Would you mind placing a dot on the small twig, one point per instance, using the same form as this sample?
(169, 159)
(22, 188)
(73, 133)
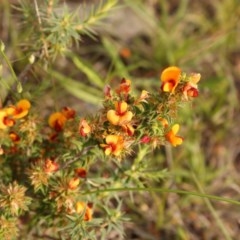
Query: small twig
(40, 27)
(37, 12)
(22, 77)
(83, 152)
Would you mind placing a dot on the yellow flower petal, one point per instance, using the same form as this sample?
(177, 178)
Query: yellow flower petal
(3, 114)
(83, 207)
(108, 150)
(195, 78)
(112, 139)
(177, 141)
(126, 118)
(114, 145)
(168, 86)
(10, 110)
(112, 117)
(175, 128)
(121, 107)
(84, 128)
(172, 138)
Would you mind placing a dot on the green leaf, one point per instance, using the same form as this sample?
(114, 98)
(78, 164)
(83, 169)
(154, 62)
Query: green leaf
(79, 90)
(117, 62)
(89, 71)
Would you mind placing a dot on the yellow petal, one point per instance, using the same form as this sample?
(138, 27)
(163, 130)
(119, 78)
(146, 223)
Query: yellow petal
(113, 139)
(195, 78)
(80, 206)
(176, 141)
(121, 107)
(108, 151)
(112, 117)
(10, 110)
(3, 114)
(126, 118)
(175, 128)
(168, 87)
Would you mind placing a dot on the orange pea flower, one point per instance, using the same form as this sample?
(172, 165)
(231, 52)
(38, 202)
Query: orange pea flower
(114, 145)
(57, 121)
(171, 136)
(170, 78)
(73, 183)
(68, 112)
(191, 88)
(84, 128)
(163, 121)
(125, 87)
(5, 120)
(14, 137)
(80, 172)
(50, 166)
(20, 110)
(120, 115)
(129, 129)
(82, 207)
(107, 92)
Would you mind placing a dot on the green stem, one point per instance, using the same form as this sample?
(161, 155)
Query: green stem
(163, 190)
(211, 209)
(19, 85)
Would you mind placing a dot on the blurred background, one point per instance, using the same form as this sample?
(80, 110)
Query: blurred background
(137, 40)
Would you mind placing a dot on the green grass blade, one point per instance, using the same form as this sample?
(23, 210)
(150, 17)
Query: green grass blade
(211, 209)
(120, 68)
(93, 77)
(77, 89)
(164, 190)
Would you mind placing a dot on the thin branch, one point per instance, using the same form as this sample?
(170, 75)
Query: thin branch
(83, 152)
(37, 12)
(40, 27)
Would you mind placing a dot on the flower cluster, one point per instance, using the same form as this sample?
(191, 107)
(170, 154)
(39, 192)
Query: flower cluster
(55, 159)
(148, 118)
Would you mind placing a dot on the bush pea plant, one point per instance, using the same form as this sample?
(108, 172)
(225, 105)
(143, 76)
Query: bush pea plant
(63, 169)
